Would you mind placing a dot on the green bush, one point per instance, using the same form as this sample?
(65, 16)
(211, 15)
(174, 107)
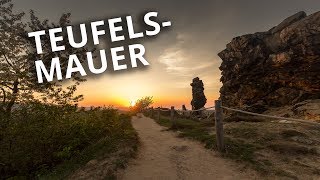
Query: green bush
(38, 136)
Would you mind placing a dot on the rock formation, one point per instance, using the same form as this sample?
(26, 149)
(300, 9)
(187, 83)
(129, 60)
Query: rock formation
(275, 68)
(184, 108)
(198, 97)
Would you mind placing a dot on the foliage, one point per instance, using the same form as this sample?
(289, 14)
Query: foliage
(18, 82)
(40, 124)
(142, 104)
(38, 136)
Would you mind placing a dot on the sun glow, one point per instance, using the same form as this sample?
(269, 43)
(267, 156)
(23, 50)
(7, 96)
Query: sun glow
(123, 91)
(133, 102)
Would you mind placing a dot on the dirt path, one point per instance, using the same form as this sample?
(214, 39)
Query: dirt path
(165, 156)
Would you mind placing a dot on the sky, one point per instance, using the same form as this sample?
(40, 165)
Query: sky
(188, 49)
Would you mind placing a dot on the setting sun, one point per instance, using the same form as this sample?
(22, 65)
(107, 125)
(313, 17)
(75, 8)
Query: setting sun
(132, 102)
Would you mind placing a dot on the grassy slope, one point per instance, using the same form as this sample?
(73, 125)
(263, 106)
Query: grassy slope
(117, 149)
(51, 142)
(269, 148)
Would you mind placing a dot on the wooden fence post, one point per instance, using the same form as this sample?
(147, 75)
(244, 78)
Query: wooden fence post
(172, 117)
(158, 113)
(219, 125)
(152, 113)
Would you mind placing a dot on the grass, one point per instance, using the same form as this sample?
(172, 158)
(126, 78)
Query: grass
(293, 149)
(270, 148)
(291, 133)
(202, 131)
(242, 131)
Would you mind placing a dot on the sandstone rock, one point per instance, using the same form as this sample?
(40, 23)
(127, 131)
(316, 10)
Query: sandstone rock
(285, 23)
(309, 109)
(275, 68)
(92, 162)
(198, 97)
(184, 108)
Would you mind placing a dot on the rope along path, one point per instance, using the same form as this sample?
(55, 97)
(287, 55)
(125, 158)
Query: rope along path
(270, 116)
(250, 113)
(202, 109)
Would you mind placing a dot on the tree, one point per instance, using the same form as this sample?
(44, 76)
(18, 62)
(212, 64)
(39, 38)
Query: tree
(18, 82)
(142, 104)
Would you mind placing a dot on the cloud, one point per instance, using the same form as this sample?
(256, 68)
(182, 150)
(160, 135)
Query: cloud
(181, 59)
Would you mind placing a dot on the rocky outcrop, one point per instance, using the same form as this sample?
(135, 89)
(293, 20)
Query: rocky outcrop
(274, 68)
(308, 109)
(198, 97)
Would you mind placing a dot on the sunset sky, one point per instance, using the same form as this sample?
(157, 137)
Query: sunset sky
(200, 29)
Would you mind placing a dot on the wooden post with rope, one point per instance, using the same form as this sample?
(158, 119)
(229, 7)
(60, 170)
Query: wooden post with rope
(219, 125)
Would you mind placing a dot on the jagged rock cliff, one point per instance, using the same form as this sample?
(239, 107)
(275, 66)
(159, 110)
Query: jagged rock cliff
(275, 68)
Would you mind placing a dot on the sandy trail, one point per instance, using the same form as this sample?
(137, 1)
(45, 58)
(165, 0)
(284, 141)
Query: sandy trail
(165, 156)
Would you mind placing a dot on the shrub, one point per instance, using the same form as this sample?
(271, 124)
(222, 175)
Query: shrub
(38, 136)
